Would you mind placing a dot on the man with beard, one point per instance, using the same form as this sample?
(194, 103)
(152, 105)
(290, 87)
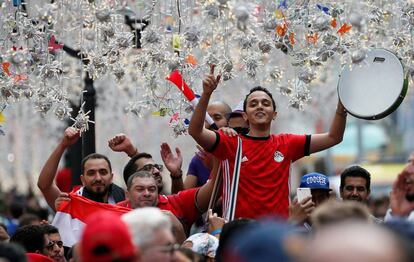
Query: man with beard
(402, 195)
(96, 175)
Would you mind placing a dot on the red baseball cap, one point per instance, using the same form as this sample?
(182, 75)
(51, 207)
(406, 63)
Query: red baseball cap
(106, 238)
(35, 257)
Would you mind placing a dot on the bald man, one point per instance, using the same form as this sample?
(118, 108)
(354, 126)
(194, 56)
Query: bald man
(198, 170)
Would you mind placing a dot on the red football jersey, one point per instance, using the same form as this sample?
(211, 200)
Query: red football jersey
(264, 173)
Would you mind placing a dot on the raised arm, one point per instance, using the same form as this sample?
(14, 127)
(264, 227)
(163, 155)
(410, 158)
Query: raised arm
(192, 177)
(335, 135)
(204, 193)
(399, 204)
(122, 143)
(173, 164)
(204, 137)
(46, 182)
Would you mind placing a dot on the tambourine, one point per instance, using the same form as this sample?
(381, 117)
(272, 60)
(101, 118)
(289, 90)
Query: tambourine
(375, 87)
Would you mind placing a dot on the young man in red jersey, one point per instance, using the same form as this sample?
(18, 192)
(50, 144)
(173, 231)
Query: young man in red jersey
(264, 174)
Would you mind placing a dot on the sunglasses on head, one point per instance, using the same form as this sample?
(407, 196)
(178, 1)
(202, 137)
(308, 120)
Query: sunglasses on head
(150, 167)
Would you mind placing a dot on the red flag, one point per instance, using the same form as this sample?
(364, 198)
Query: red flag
(71, 216)
(176, 78)
(53, 45)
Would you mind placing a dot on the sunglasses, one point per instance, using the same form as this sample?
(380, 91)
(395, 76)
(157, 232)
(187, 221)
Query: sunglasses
(150, 167)
(51, 244)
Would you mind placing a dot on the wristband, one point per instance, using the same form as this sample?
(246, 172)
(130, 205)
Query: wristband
(216, 232)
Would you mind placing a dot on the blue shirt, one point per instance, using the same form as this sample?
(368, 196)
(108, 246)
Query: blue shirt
(199, 170)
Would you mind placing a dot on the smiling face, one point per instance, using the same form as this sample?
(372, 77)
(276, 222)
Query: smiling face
(259, 109)
(355, 188)
(143, 192)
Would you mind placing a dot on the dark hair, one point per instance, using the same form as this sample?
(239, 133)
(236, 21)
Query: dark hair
(131, 167)
(12, 252)
(16, 209)
(141, 174)
(30, 237)
(94, 156)
(255, 89)
(49, 229)
(355, 171)
(230, 230)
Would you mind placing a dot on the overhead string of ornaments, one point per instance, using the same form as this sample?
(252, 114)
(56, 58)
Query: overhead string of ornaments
(283, 45)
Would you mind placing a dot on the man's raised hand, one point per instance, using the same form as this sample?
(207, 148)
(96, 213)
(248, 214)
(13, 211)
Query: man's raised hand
(399, 204)
(210, 82)
(70, 136)
(172, 163)
(300, 211)
(63, 197)
(121, 143)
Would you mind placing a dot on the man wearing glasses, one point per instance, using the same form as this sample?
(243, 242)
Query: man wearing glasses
(144, 162)
(31, 238)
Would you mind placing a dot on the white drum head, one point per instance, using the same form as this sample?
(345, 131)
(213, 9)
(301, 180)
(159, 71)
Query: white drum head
(375, 88)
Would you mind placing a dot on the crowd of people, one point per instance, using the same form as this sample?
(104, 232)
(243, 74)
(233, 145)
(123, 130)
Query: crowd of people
(233, 205)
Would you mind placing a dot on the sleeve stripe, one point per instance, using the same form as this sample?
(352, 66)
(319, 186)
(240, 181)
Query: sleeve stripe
(307, 145)
(215, 143)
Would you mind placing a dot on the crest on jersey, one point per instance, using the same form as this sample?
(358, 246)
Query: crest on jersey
(278, 157)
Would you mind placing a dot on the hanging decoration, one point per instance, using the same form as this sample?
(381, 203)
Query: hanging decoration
(283, 45)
